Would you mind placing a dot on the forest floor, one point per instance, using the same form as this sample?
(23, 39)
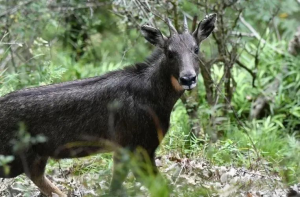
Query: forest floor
(188, 177)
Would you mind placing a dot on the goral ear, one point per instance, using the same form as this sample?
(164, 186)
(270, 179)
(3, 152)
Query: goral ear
(153, 35)
(205, 27)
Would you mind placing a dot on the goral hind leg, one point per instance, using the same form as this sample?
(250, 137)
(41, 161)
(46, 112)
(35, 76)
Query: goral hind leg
(36, 172)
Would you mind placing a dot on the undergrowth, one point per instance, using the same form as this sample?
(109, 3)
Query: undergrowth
(271, 144)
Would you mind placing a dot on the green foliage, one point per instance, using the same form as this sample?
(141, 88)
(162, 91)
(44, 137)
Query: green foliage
(4, 161)
(24, 140)
(286, 19)
(275, 138)
(51, 51)
(20, 143)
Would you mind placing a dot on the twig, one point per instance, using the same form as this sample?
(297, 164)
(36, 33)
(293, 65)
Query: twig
(85, 6)
(141, 6)
(7, 26)
(175, 12)
(276, 30)
(183, 166)
(194, 26)
(254, 32)
(215, 60)
(256, 61)
(8, 58)
(155, 14)
(91, 11)
(253, 74)
(11, 43)
(229, 4)
(257, 36)
(16, 8)
(237, 19)
(244, 34)
(6, 34)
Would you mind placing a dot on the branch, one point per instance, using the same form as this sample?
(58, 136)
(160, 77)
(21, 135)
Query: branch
(256, 61)
(254, 32)
(175, 13)
(141, 7)
(7, 26)
(215, 60)
(249, 71)
(243, 34)
(11, 43)
(261, 104)
(16, 8)
(257, 36)
(229, 4)
(217, 88)
(194, 26)
(83, 6)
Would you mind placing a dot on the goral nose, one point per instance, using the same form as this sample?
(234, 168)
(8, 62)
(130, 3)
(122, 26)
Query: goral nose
(188, 80)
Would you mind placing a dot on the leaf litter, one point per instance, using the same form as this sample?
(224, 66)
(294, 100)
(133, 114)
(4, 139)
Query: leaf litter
(182, 173)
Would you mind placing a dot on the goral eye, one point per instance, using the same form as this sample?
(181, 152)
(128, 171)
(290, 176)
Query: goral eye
(196, 50)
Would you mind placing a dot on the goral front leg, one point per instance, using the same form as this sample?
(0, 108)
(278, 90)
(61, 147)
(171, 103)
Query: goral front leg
(120, 172)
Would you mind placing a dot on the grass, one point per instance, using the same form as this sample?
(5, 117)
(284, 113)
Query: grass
(273, 147)
(275, 150)
(276, 146)
(276, 153)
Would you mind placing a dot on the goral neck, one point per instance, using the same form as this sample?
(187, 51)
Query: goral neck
(164, 86)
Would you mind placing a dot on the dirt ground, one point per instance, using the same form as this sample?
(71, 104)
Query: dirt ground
(223, 181)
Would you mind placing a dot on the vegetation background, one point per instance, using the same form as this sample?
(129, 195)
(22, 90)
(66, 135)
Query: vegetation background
(236, 134)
